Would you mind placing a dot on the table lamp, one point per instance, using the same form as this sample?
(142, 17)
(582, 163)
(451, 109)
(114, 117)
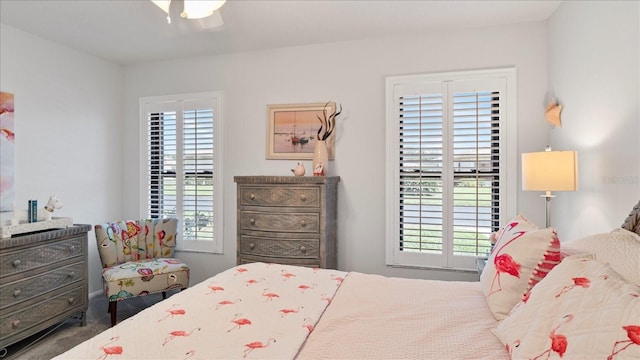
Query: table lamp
(550, 171)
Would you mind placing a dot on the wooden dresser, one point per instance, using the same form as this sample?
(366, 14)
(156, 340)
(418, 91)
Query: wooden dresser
(43, 281)
(287, 220)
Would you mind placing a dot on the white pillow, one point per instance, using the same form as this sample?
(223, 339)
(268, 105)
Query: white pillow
(582, 310)
(619, 248)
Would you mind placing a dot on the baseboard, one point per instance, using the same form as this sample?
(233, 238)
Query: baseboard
(95, 293)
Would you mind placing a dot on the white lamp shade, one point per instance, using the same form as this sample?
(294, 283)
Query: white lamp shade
(550, 171)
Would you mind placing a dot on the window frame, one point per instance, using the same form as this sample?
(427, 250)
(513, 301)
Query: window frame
(215, 100)
(508, 165)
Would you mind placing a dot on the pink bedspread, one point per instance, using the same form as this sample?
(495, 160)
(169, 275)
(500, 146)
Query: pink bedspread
(376, 317)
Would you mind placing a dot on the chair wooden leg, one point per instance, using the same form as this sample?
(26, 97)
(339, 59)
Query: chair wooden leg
(113, 306)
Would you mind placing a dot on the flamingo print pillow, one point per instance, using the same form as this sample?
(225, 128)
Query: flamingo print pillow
(583, 310)
(522, 256)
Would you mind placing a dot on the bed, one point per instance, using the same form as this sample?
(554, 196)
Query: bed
(572, 300)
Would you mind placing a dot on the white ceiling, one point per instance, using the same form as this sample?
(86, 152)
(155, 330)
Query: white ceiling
(134, 31)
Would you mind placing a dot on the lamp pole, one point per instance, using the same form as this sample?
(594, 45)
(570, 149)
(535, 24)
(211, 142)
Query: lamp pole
(548, 197)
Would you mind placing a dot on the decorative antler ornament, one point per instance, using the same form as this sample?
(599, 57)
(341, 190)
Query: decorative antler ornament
(328, 123)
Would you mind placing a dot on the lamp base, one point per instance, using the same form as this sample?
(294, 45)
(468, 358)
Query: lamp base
(548, 197)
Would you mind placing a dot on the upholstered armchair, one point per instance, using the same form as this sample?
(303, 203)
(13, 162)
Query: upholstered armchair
(137, 259)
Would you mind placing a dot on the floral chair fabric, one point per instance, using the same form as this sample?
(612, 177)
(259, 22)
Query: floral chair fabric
(137, 259)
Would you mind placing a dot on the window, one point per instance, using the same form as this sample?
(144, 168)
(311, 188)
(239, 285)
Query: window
(182, 166)
(451, 165)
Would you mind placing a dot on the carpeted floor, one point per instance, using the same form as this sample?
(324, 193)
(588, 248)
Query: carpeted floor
(70, 333)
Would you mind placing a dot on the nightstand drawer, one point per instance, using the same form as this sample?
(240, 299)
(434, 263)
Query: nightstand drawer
(289, 248)
(280, 196)
(22, 290)
(281, 222)
(38, 256)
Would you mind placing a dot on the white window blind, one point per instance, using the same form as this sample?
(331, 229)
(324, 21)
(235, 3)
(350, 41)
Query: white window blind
(447, 167)
(183, 177)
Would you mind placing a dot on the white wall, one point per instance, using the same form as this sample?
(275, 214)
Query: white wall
(68, 125)
(350, 73)
(594, 71)
(77, 119)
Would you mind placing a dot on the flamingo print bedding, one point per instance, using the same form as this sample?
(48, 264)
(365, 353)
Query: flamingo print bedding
(253, 311)
(268, 311)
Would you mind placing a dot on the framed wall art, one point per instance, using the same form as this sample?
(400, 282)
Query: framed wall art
(7, 149)
(292, 130)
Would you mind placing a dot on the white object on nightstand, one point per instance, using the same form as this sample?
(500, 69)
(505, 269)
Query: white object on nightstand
(480, 264)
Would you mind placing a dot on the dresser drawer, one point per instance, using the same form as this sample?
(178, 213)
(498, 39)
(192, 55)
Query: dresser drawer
(38, 256)
(28, 288)
(289, 248)
(280, 196)
(312, 263)
(281, 222)
(31, 316)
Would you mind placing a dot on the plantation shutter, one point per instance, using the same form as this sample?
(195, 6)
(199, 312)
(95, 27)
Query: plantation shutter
(422, 183)
(449, 155)
(476, 134)
(180, 167)
(197, 170)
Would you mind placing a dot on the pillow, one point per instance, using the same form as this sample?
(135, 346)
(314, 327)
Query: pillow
(582, 310)
(632, 222)
(619, 248)
(522, 256)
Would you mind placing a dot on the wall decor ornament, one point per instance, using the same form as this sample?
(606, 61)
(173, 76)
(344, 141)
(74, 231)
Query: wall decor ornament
(552, 113)
(7, 151)
(293, 130)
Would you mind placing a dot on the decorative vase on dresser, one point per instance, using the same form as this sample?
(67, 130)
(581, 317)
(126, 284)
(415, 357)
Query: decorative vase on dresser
(320, 158)
(287, 220)
(43, 281)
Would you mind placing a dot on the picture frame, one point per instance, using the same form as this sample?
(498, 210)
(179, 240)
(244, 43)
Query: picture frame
(292, 130)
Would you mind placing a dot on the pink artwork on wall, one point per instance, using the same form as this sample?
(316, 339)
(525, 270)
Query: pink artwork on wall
(7, 149)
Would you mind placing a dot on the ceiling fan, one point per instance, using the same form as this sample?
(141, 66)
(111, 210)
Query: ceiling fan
(206, 11)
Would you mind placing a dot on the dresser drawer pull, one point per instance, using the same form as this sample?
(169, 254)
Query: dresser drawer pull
(15, 323)
(71, 300)
(71, 274)
(252, 221)
(303, 249)
(252, 246)
(303, 223)
(16, 293)
(72, 248)
(16, 263)
(252, 196)
(303, 197)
